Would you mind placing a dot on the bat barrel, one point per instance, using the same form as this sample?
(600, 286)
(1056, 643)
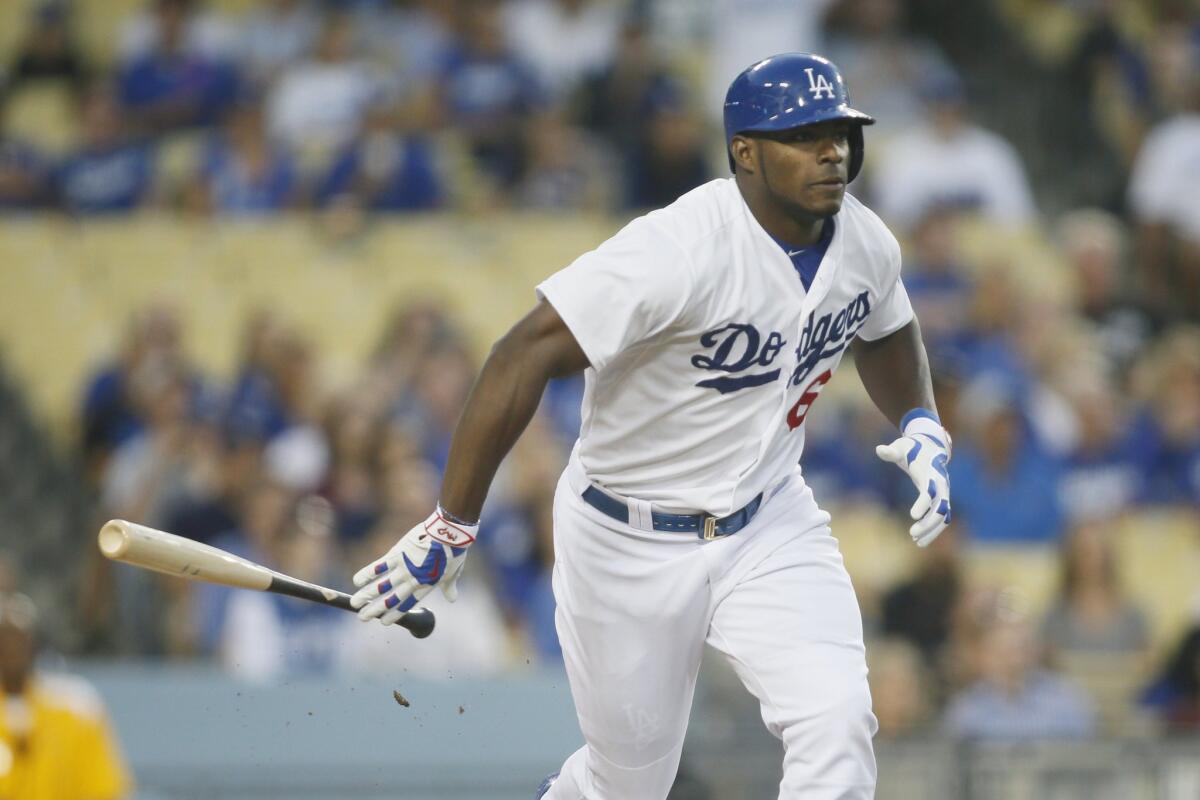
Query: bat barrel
(186, 558)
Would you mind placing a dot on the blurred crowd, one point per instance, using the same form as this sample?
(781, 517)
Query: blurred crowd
(1056, 276)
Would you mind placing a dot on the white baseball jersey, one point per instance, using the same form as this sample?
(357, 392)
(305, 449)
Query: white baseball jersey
(706, 351)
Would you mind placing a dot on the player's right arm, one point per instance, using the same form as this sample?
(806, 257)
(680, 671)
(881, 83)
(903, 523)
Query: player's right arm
(503, 400)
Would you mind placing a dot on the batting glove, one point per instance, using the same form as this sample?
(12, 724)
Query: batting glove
(431, 554)
(924, 453)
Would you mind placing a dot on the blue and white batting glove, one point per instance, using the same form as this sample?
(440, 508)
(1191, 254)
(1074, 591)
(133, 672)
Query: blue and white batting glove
(924, 453)
(431, 554)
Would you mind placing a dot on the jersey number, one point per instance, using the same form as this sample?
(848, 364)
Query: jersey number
(795, 417)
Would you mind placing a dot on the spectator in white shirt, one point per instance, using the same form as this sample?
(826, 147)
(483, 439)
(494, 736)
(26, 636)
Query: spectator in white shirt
(318, 105)
(1164, 196)
(563, 40)
(950, 162)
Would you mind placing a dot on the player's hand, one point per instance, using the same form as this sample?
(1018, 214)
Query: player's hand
(431, 554)
(924, 453)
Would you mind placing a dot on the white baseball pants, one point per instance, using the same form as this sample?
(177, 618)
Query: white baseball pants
(635, 608)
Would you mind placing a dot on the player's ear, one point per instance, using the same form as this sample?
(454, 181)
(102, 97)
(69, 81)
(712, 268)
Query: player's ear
(745, 155)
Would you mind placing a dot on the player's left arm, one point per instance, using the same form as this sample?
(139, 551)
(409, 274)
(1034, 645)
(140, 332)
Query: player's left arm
(895, 372)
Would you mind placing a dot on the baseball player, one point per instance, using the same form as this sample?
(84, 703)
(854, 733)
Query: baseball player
(707, 330)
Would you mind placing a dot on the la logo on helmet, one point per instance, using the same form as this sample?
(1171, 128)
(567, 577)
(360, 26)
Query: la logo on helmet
(817, 84)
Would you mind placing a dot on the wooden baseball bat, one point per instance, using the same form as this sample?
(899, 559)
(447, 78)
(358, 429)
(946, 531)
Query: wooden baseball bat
(185, 558)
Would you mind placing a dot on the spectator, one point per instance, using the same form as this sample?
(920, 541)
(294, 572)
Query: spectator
(938, 282)
(110, 172)
(151, 470)
(565, 172)
(1170, 388)
(1104, 469)
(222, 466)
(172, 86)
(563, 40)
(318, 105)
(948, 161)
(408, 36)
(614, 103)
(413, 331)
(920, 610)
(264, 510)
(1013, 699)
(54, 738)
(384, 169)
(24, 172)
(274, 36)
(1175, 694)
(49, 50)
(1091, 614)
(267, 637)
(243, 173)
(900, 695)
(254, 409)
(1093, 243)
(352, 428)
(110, 415)
(671, 162)
(1164, 197)
(486, 94)
(432, 409)
(1004, 484)
(203, 32)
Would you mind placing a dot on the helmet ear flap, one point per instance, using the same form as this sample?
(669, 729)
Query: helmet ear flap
(856, 152)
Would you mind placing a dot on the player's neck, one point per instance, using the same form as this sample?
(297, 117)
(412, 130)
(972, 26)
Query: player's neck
(786, 224)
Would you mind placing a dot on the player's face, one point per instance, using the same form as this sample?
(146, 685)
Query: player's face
(805, 169)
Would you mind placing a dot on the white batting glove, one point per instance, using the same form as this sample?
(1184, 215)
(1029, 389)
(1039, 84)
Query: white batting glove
(924, 453)
(431, 554)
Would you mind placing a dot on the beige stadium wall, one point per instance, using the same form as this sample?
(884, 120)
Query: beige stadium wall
(67, 289)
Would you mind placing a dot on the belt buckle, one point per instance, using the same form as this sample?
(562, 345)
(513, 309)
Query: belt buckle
(710, 528)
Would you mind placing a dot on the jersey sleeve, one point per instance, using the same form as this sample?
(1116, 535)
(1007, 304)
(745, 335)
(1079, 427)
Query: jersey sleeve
(628, 289)
(893, 310)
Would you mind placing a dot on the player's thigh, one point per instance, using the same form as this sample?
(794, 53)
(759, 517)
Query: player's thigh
(792, 628)
(631, 617)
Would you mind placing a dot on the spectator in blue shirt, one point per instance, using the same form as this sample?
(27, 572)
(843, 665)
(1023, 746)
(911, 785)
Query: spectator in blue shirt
(1005, 485)
(243, 173)
(1105, 469)
(384, 169)
(487, 94)
(937, 281)
(171, 87)
(672, 160)
(1013, 699)
(110, 172)
(24, 173)
(1173, 419)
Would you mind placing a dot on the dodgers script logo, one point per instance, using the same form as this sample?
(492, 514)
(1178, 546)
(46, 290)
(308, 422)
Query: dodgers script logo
(738, 347)
(828, 336)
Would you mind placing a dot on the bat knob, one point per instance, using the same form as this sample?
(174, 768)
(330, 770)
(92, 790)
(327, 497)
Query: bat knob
(419, 621)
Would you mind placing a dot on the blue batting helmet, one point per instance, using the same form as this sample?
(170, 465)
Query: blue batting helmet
(788, 91)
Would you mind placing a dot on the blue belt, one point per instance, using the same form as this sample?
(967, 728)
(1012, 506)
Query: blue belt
(707, 527)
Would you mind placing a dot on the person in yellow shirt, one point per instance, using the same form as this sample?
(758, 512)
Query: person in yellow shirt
(55, 743)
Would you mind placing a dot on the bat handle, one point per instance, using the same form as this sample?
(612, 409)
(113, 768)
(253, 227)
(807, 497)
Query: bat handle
(419, 621)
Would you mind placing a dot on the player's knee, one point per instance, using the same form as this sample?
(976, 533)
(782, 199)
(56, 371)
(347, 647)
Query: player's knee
(646, 781)
(843, 724)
